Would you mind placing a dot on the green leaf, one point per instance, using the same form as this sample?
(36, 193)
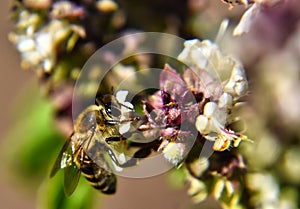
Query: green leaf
(52, 196)
(177, 178)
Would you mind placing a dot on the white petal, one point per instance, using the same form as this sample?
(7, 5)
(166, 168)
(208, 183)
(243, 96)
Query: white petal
(202, 124)
(246, 20)
(124, 128)
(26, 45)
(237, 84)
(44, 44)
(121, 96)
(225, 101)
(174, 152)
(122, 158)
(210, 109)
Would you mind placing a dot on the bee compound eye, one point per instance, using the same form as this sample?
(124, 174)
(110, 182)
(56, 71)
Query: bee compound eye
(112, 110)
(108, 108)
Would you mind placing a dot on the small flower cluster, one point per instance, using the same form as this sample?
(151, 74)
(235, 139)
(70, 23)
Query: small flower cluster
(171, 112)
(215, 82)
(222, 81)
(225, 84)
(196, 108)
(46, 31)
(55, 38)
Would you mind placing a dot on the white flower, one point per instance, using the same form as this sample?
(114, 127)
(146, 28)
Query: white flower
(211, 124)
(225, 101)
(206, 55)
(212, 119)
(265, 186)
(38, 44)
(229, 72)
(126, 109)
(174, 152)
(237, 84)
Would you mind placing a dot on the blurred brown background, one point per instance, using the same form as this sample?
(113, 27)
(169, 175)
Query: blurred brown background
(12, 80)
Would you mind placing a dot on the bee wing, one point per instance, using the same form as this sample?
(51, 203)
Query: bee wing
(71, 178)
(57, 164)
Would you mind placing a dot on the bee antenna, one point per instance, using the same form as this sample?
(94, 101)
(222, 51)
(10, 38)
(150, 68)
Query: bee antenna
(99, 101)
(112, 90)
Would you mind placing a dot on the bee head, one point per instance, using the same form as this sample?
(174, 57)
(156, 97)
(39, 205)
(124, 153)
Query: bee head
(109, 107)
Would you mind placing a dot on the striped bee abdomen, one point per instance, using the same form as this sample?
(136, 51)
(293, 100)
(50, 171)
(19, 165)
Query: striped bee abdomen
(98, 177)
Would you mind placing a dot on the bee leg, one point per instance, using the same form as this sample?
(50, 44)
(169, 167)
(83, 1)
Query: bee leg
(81, 157)
(145, 150)
(113, 157)
(109, 140)
(142, 153)
(129, 163)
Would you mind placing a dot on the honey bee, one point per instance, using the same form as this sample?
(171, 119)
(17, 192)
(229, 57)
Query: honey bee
(96, 130)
